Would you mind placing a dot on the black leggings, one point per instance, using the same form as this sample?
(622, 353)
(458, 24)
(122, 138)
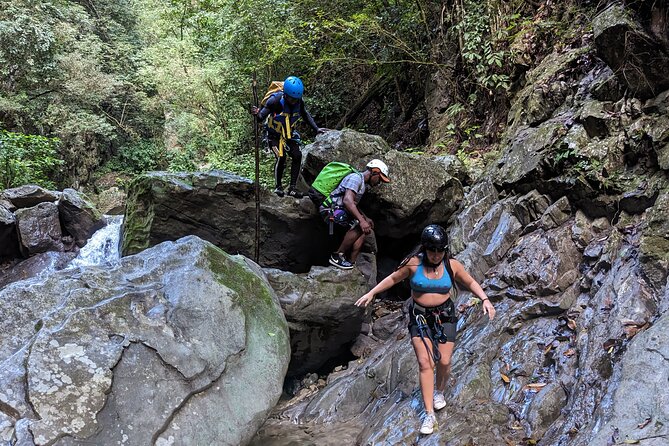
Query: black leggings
(292, 148)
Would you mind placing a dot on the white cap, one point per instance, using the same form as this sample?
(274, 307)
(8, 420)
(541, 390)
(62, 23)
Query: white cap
(381, 167)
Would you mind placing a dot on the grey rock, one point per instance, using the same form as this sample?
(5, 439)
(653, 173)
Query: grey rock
(422, 190)
(28, 196)
(39, 228)
(530, 207)
(181, 343)
(655, 241)
(220, 208)
(78, 216)
(556, 214)
(545, 408)
(319, 308)
(641, 395)
(639, 61)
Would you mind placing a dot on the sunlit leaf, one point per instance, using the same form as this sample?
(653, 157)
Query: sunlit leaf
(644, 423)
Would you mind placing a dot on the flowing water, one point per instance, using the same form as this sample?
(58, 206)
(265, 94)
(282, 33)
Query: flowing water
(102, 248)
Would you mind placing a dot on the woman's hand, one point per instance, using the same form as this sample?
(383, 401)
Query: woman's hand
(365, 300)
(488, 309)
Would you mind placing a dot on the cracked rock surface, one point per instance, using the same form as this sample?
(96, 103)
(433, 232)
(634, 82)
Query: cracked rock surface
(181, 344)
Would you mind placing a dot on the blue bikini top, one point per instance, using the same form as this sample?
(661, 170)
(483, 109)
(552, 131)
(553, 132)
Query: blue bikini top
(420, 283)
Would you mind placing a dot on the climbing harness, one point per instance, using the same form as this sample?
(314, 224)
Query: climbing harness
(434, 331)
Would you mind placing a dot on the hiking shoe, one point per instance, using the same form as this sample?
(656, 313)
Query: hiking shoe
(429, 424)
(338, 260)
(279, 192)
(439, 400)
(295, 193)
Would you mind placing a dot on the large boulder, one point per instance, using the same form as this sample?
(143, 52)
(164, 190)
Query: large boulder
(28, 196)
(319, 308)
(423, 190)
(639, 60)
(181, 344)
(39, 228)
(220, 208)
(78, 216)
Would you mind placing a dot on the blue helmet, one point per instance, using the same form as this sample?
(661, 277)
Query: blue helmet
(293, 87)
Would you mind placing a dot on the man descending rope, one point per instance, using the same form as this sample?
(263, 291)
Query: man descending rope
(283, 109)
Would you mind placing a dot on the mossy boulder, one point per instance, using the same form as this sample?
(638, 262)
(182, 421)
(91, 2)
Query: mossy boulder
(179, 344)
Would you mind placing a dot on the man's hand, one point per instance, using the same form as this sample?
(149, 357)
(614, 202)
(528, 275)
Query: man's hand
(365, 226)
(254, 110)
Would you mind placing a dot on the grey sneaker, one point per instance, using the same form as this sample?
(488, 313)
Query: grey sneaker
(279, 192)
(337, 259)
(429, 424)
(439, 400)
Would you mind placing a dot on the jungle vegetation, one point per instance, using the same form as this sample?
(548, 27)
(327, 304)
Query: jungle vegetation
(137, 85)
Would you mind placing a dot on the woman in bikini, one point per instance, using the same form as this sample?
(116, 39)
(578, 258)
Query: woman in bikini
(432, 322)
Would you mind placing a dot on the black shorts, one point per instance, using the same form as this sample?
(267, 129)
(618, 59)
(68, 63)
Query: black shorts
(443, 315)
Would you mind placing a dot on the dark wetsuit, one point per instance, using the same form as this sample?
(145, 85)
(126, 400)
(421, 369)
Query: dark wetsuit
(440, 319)
(281, 138)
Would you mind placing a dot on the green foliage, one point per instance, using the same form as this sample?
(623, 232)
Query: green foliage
(28, 159)
(244, 165)
(483, 51)
(70, 70)
(574, 164)
(137, 158)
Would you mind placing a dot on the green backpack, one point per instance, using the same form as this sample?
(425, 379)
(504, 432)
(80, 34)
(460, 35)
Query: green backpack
(328, 180)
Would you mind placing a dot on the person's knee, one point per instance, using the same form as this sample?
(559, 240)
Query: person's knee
(424, 363)
(445, 362)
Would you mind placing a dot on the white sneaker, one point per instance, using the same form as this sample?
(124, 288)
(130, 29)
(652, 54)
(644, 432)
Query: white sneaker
(429, 423)
(439, 400)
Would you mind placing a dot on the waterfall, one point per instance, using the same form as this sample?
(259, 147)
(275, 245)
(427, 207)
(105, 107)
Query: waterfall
(102, 248)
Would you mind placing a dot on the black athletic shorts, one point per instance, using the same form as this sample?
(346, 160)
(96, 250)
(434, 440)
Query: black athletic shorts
(446, 318)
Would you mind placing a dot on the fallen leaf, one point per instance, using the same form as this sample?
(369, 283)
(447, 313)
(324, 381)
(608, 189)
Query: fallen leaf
(571, 324)
(548, 349)
(535, 386)
(569, 353)
(644, 423)
(628, 322)
(631, 330)
(631, 441)
(505, 378)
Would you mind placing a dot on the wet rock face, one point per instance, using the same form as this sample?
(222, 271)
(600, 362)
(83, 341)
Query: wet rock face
(570, 296)
(181, 343)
